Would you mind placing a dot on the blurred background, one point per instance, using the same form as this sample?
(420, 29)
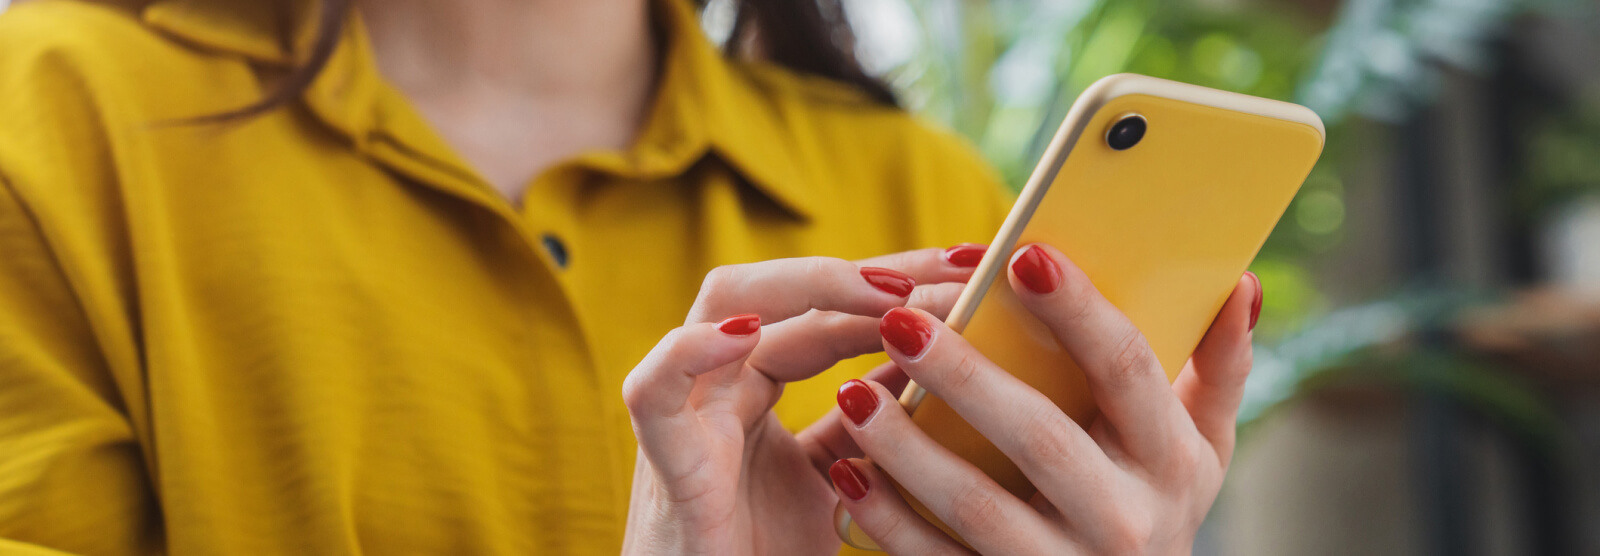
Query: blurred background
(1428, 369)
(1428, 359)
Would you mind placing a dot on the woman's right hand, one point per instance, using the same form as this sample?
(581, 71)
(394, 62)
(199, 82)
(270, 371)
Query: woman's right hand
(717, 473)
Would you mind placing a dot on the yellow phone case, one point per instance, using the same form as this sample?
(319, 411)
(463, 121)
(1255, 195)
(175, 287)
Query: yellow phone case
(1163, 229)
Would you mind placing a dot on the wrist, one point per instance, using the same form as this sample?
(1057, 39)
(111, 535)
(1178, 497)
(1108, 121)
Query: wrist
(655, 524)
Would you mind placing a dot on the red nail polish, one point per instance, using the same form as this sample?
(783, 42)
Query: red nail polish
(905, 330)
(1255, 304)
(1036, 271)
(741, 325)
(857, 401)
(850, 480)
(892, 281)
(966, 255)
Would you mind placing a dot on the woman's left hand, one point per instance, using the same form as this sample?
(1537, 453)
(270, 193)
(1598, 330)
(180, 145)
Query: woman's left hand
(1137, 479)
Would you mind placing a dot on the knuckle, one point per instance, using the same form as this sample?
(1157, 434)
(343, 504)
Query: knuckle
(1183, 463)
(718, 279)
(891, 526)
(670, 352)
(829, 271)
(1080, 302)
(824, 325)
(675, 348)
(1128, 533)
(894, 260)
(937, 299)
(823, 266)
(963, 374)
(631, 390)
(1131, 358)
(1230, 374)
(918, 259)
(1246, 362)
(906, 261)
(1045, 439)
(975, 511)
(635, 393)
(922, 298)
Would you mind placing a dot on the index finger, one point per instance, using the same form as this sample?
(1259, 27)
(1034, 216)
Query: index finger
(1123, 374)
(784, 288)
(933, 265)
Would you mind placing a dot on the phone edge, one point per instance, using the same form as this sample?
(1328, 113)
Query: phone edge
(1055, 156)
(1077, 119)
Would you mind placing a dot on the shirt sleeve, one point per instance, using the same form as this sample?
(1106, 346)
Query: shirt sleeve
(72, 474)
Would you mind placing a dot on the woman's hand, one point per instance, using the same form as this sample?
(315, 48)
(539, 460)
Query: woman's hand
(716, 472)
(1137, 480)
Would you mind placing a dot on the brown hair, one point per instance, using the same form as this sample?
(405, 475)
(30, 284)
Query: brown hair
(807, 36)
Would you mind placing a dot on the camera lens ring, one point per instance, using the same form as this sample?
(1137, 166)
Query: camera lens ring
(1126, 132)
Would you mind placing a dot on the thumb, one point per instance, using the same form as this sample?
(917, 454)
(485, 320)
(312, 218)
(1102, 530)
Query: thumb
(657, 392)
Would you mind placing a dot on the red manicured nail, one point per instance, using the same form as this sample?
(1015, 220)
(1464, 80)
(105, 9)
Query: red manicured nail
(1255, 304)
(1036, 271)
(966, 255)
(905, 331)
(892, 281)
(741, 325)
(857, 401)
(849, 479)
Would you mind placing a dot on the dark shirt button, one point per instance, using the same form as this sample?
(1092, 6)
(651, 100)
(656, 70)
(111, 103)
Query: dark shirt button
(558, 250)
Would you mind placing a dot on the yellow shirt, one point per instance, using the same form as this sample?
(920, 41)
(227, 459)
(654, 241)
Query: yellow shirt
(321, 332)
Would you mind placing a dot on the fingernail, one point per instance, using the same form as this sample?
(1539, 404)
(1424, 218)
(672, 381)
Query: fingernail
(857, 401)
(1036, 271)
(905, 331)
(849, 479)
(1255, 304)
(966, 255)
(741, 325)
(892, 281)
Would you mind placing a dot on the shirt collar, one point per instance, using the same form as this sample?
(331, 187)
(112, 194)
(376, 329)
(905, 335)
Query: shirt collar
(705, 103)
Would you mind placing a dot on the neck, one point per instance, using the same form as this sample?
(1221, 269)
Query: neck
(517, 86)
(540, 48)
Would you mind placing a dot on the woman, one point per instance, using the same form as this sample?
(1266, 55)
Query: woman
(310, 277)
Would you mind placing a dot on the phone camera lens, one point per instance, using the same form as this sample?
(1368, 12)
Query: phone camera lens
(1126, 133)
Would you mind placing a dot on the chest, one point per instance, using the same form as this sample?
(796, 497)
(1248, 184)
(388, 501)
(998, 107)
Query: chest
(381, 349)
(368, 281)
(385, 345)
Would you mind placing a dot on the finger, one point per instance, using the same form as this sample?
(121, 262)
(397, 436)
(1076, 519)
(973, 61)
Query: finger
(784, 288)
(1052, 450)
(803, 346)
(657, 391)
(984, 514)
(826, 442)
(878, 509)
(1211, 386)
(934, 265)
(1122, 372)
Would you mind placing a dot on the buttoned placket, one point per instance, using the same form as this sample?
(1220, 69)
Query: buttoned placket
(705, 107)
(350, 97)
(545, 213)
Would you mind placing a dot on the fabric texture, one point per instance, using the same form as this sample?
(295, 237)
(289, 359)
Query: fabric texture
(319, 331)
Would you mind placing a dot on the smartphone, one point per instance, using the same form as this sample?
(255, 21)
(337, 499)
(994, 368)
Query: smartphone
(1162, 192)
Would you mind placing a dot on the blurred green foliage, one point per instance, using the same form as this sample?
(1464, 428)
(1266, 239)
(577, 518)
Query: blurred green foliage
(1562, 157)
(1005, 72)
(1020, 64)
